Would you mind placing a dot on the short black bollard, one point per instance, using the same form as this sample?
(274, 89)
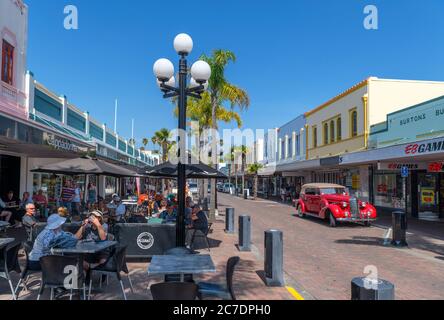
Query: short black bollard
(229, 220)
(244, 233)
(399, 227)
(369, 289)
(274, 258)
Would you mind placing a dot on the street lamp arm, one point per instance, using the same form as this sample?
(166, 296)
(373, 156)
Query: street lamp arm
(170, 95)
(169, 88)
(194, 95)
(197, 89)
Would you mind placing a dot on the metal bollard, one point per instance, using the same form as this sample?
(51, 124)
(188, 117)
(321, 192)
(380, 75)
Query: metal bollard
(368, 289)
(244, 233)
(274, 258)
(229, 220)
(399, 225)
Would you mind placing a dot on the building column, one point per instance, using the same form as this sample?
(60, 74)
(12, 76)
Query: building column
(279, 147)
(286, 147)
(366, 124)
(294, 144)
(86, 114)
(30, 92)
(104, 132)
(64, 109)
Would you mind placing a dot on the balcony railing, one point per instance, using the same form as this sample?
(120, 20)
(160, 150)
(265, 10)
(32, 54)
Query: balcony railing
(9, 92)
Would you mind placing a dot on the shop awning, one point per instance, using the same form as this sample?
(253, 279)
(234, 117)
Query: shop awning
(87, 165)
(193, 171)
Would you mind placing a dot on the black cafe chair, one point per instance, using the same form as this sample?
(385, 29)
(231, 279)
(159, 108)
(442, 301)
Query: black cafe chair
(176, 277)
(27, 270)
(217, 290)
(8, 263)
(174, 291)
(54, 274)
(197, 233)
(113, 266)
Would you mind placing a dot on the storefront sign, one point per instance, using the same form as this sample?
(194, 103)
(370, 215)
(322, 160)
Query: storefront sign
(396, 166)
(62, 144)
(424, 148)
(427, 197)
(436, 167)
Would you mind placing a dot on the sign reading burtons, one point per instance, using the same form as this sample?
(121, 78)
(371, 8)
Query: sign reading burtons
(145, 240)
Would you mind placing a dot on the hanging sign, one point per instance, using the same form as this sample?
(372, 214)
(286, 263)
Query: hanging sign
(436, 167)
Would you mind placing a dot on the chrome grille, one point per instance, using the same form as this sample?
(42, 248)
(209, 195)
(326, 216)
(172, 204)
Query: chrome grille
(354, 208)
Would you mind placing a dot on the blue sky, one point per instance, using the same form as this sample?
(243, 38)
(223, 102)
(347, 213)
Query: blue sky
(291, 55)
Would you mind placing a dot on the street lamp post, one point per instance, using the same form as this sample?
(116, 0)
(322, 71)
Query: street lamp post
(164, 72)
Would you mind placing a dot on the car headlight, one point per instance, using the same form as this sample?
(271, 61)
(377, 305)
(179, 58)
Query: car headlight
(369, 213)
(363, 204)
(345, 204)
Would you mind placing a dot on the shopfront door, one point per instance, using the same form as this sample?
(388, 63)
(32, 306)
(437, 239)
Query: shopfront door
(429, 195)
(9, 175)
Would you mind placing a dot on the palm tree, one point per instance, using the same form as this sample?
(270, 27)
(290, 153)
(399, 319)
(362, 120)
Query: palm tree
(162, 138)
(145, 141)
(253, 169)
(220, 91)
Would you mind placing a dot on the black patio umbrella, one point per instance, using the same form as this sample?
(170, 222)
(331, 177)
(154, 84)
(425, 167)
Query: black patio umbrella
(87, 165)
(193, 171)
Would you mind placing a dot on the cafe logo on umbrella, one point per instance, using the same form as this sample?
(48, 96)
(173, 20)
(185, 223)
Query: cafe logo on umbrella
(145, 240)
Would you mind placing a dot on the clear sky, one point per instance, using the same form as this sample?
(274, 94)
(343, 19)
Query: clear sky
(291, 55)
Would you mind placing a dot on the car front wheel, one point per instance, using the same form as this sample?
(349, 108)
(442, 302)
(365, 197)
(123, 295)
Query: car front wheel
(332, 220)
(300, 213)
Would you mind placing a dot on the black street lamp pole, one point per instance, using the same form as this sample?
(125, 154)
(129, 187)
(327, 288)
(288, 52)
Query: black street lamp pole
(182, 92)
(181, 178)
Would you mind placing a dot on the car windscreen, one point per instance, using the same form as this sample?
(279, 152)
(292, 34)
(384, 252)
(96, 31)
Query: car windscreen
(339, 191)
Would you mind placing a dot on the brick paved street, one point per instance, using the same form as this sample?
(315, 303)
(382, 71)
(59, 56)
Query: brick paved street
(247, 277)
(322, 260)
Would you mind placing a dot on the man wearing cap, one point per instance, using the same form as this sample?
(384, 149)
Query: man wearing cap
(94, 229)
(41, 247)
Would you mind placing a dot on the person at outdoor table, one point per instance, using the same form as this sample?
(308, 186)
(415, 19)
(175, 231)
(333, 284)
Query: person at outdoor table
(199, 219)
(12, 205)
(169, 214)
(40, 199)
(41, 246)
(63, 212)
(29, 219)
(118, 207)
(94, 229)
(4, 214)
(67, 195)
(162, 208)
(188, 210)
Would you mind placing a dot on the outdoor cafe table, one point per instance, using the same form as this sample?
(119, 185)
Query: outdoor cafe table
(181, 264)
(83, 248)
(3, 225)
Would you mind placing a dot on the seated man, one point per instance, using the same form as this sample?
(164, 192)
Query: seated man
(169, 215)
(41, 246)
(199, 219)
(94, 229)
(117, 208)
(4, 214)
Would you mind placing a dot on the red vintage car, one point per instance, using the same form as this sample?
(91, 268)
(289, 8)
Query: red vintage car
(332, 202)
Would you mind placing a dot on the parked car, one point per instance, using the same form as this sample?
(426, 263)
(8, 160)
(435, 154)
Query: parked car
(332, 202)
(228, 188)
(220, 187)
(194, 190)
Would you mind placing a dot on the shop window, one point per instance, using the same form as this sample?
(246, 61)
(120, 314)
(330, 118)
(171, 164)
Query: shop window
(354, 123)
(315, 137)
(332, 131)
(325, 133)
(339, 129)
(388, 190)
(7, 62)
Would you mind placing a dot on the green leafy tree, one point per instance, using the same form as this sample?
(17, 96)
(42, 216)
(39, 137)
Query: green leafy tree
(253, 169)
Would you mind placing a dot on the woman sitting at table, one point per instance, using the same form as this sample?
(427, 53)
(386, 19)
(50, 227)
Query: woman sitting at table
(41, 247)
(94, 229)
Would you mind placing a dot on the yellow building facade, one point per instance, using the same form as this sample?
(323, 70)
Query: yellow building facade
(342, 124)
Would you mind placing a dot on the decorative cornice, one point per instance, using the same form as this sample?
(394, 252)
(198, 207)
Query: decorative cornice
(338, 97)
(20, 4)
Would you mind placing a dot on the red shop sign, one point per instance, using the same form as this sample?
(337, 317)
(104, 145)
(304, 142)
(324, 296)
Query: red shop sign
(436, 167)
